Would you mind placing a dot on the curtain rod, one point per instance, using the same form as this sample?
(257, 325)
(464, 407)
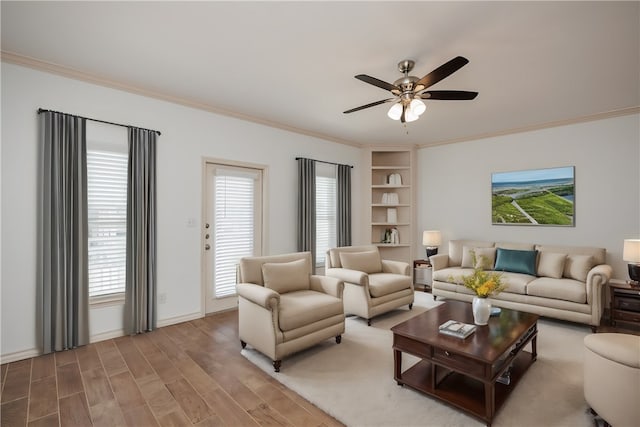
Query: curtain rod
(42, 110)
(322, 161)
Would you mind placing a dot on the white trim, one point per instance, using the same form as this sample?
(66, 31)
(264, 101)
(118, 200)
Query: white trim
(19, 355)
(48, 67)
(179, 319)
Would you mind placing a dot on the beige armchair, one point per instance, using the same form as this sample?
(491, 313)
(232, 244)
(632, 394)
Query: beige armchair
(612, 377)
(372, 286)
(283, 308)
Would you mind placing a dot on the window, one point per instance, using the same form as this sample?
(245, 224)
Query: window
(236, 224)
(325, 210)
(107, 216)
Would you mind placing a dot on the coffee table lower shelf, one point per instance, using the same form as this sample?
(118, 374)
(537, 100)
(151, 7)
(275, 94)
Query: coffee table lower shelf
(462, 391)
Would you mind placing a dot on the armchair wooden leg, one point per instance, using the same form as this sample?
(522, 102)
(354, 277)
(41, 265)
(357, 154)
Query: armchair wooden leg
(243, 344)
(411, 306)
(368, 322)
(276, 365)
(338, 339)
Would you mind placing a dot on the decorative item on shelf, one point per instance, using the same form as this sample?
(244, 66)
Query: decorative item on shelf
(390, 199)
(394, 179)
(483, 284)
(631, 254)
(431, 239)
(392, 215)
(391, 236)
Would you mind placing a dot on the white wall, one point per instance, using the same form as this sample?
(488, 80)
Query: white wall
(188, 136)
(454, 184)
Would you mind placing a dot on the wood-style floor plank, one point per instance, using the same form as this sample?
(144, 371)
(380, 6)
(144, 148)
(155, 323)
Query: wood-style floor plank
(16, 384)
(74, 410)
(69, 380)
(189, 374)
(14, 413)
(43, 398)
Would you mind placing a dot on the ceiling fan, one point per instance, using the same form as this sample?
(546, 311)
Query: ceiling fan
(409, 91)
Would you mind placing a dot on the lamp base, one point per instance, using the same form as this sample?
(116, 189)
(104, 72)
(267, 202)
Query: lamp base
(434, 251)
(634, 274)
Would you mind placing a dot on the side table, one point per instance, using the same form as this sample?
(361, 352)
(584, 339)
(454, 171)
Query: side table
(625, 303)
(422, 274)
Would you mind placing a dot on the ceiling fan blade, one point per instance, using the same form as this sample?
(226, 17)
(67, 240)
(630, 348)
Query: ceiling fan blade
(443, 71)
(379, 83)
(373, 104)
(453, 95)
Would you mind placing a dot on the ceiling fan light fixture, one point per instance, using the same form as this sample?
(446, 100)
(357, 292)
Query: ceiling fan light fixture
(417, 107)
(410, 116)
(395, 112)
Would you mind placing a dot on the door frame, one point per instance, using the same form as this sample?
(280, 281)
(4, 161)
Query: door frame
(203, 202)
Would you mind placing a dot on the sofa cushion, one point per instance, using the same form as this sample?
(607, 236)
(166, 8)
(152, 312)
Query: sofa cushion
(577, 267)
(367, 262)
(564, 289)
(516, 261)
(551, 264)
(302, 308)
(451, 274)
(381, 284)
(516, 282)
(285, 277)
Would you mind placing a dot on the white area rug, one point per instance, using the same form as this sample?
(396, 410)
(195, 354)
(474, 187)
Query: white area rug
(353, 381)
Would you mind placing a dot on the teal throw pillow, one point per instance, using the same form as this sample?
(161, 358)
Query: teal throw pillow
(516, 261)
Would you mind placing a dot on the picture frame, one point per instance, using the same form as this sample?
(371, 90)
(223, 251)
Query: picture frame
(534, 197)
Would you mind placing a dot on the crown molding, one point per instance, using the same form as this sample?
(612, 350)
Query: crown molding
(547, 125)
(49, 67)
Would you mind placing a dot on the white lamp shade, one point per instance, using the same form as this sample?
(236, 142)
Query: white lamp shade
(631, 250)
(431, 238)
(395, 112)
(410, 116)
(417, 107)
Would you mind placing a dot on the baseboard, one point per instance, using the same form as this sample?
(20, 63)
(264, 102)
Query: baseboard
(103, 336)
(179, 319)
(19, 355)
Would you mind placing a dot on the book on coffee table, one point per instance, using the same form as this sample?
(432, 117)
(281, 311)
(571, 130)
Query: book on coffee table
(456, 329)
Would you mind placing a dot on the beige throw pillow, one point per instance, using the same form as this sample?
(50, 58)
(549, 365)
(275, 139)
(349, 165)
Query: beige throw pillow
(577, 267)
(285, 277)
(485, 263)
(367, 262)
(485, 258)
(551, 264)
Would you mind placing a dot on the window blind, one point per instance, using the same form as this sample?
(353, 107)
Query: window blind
(325, 211)
(234, 226)
(107, 221)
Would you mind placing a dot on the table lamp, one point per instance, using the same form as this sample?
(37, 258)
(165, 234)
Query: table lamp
(631, 254)
(431, 239)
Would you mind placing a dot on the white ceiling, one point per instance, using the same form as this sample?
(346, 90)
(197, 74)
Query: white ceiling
(291, 64)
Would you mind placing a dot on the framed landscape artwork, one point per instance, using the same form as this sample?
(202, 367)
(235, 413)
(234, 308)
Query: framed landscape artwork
(533, 197)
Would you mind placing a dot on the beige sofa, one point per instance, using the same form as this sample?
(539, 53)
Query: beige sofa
(564, 282)
(283, 308)
(372, 286)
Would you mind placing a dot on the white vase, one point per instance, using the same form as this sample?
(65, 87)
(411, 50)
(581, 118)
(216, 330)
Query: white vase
(481, 310)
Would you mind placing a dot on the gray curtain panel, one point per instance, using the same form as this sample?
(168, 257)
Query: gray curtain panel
(343, 193)
(307, 207)
(63, 254)
(140, 290)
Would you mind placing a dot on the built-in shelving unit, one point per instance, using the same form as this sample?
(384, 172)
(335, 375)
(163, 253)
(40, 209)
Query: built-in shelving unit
(385, 162)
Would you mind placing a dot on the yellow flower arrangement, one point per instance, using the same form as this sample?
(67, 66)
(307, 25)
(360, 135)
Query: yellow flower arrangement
(483, 283)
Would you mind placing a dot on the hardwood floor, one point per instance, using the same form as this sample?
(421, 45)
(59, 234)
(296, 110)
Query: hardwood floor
(181, 375)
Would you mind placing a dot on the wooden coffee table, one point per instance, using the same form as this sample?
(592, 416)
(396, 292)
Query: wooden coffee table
(464, 373)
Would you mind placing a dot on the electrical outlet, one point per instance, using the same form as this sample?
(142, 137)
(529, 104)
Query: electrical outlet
(162, 298)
